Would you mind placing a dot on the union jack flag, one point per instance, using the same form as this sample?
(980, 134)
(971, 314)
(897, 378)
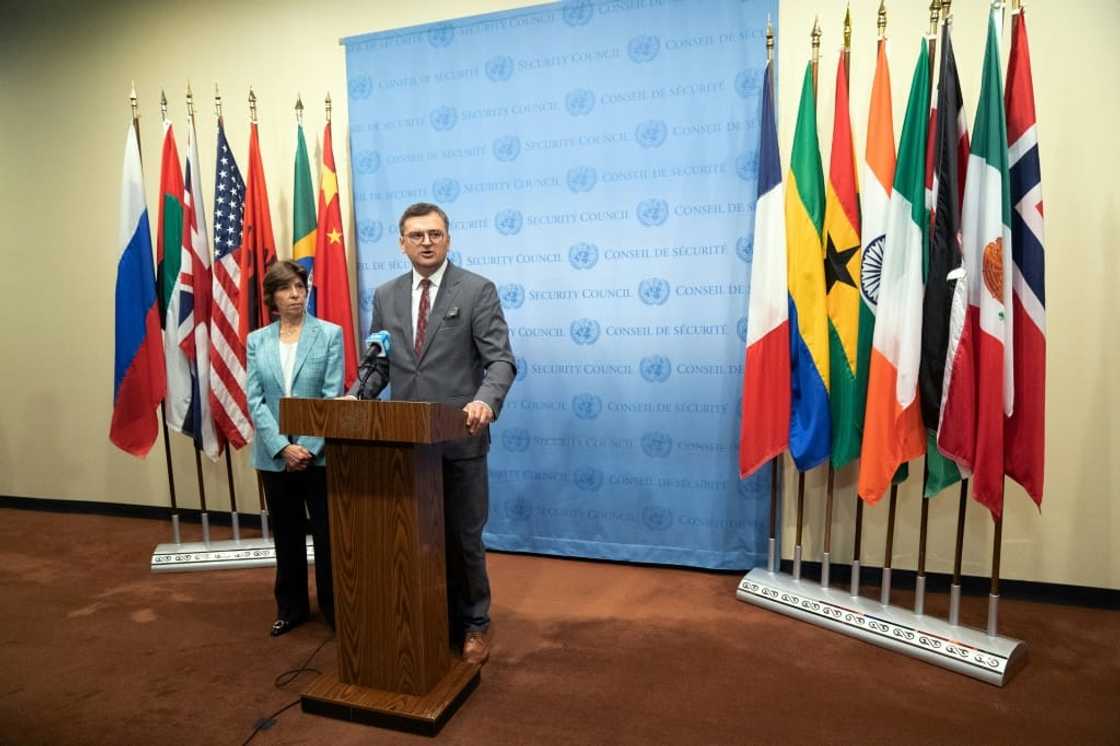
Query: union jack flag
(227, 350)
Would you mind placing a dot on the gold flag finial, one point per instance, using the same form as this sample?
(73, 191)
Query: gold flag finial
(934, 15)
(163, 104)
(1016, 6)
(132, 100)
(881, 24)
(190, 102)
(217, 101)
(848, 28)
(252, 106)
(769, 40)
(299, 110)
(327, 103)
(816, 36)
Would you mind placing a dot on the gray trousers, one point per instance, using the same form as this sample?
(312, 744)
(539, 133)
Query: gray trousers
(466, 506)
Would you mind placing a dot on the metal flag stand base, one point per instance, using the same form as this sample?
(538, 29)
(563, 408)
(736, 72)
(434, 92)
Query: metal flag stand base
(989, 658)
(229, 554)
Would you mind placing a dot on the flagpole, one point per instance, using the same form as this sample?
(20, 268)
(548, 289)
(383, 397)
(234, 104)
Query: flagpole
(260, 483)
(923, 530)
(176, 536)
(234, 519)
(881, 27)
(993, 593)
(776, 463)
(203, 515)
(955, 588)
(826, 554)
(815, 35)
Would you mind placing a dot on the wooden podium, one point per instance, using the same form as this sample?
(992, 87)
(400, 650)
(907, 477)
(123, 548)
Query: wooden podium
(396, 668)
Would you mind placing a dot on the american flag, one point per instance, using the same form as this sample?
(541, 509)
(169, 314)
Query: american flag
(227, 350)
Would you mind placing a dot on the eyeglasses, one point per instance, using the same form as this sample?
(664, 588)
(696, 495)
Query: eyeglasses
(417, 237)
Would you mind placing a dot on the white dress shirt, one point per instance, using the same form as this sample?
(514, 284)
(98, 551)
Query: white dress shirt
(436, 279)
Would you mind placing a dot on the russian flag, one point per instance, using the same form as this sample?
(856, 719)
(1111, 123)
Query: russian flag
(764, 426)
(139, 378)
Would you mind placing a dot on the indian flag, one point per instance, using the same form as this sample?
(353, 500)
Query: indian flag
(893, 432)
(979, 385)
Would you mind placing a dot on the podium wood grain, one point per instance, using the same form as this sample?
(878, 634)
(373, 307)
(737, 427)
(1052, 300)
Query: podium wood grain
(385, 492)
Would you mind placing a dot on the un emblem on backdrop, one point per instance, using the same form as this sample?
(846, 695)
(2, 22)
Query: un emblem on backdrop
(651, 134)
(508, 222)
(367, 162)
(507, 148)
(511, 295)
(653, 291)
(443, 118)
(657, 445)
(583, 255)
(586, 406)
(518, 509)
(582, 179)
(746, 166)
(741, 329)
(578, 12)
(455, 257)
(441, 36)
(584, 331)
(367, 300)
(744, 248)
(657, 517)
(588, 478)
(361, 86)
(748, 83)
(522, 368)
(515, 439)
(652, 211)
(655, 368)
(445, 190)
(499, 68)
(369, 231)
(579, 102)
(643, 48)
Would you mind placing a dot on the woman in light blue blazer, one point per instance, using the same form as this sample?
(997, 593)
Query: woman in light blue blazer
(297, 355)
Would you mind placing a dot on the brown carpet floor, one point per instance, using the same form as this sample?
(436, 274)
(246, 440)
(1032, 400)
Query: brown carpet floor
(96, 649)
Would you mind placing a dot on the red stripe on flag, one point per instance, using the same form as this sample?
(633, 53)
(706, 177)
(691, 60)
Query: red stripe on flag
(764, 425)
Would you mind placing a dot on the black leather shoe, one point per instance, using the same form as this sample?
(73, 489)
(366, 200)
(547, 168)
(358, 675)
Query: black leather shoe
(283, 626)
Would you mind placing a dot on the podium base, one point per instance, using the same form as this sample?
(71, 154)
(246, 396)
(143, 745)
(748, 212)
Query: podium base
(228, 554)
(972, 652)
(425, 715)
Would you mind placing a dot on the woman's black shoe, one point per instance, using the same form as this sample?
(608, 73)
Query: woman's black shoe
(283, 626)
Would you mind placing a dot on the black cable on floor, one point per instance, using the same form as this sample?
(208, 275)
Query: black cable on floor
(280, 682)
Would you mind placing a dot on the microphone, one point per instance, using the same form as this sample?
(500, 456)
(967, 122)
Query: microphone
(379, 344)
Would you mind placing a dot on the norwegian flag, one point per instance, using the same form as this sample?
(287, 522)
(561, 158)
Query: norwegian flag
(227, 351)
(1025, 429)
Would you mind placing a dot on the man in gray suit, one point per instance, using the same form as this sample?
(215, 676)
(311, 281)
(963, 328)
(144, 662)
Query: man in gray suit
(450, 344)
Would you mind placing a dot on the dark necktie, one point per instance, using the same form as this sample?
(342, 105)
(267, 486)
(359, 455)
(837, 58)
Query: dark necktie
(422, 315)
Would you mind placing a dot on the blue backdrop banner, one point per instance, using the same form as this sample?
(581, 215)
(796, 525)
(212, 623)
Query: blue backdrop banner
(598, 163)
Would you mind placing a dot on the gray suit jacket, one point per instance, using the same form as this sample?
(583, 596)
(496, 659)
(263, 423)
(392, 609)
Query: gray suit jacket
(466, 354)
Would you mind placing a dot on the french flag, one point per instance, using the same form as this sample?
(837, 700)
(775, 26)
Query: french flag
(139, 377)
(764, 426)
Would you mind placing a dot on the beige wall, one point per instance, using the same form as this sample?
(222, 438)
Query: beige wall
(64, 75)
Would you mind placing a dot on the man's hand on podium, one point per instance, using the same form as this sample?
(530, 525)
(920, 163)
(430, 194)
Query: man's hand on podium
(346, 397)
(479, 415)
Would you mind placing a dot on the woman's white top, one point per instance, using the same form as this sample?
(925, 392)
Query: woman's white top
(288, 364)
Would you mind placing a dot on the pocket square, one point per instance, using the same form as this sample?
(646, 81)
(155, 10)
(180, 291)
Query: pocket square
(452, 313)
